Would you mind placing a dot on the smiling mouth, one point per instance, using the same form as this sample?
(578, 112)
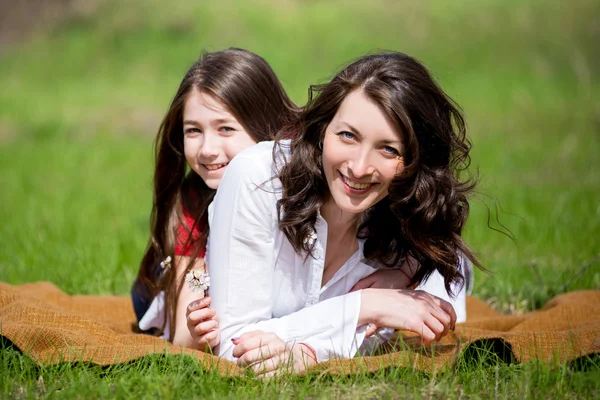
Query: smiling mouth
(356, 187)
(214, 167)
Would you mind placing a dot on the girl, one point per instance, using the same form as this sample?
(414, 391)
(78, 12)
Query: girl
(226, 102)
(369, 181)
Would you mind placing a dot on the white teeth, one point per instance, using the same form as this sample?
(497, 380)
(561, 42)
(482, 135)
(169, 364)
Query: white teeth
(212, 167)
(354, 185)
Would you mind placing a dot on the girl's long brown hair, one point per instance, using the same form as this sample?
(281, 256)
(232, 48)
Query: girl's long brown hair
(427, 206)
(245, 83)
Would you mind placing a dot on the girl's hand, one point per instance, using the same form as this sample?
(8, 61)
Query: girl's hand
(412, 310)
(203, 324)
(385, 279)
(268, 355)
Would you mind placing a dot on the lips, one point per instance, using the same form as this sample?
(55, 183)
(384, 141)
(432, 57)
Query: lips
(357, 186)
(214, 167)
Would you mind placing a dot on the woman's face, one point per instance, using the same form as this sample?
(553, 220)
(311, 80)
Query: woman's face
(212, 137)
(361, 154)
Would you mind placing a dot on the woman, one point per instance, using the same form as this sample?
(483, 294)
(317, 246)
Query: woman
(369, 181)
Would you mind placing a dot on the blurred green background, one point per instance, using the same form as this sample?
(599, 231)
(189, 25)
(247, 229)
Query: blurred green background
(84, 85)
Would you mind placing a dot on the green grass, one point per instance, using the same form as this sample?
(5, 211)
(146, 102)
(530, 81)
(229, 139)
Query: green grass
(80, 104)
(181, 377)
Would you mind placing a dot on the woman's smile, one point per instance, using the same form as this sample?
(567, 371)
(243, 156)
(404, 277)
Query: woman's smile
(355, 187)
(360, 154)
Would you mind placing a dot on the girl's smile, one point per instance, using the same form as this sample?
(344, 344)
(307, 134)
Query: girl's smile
(214, 167)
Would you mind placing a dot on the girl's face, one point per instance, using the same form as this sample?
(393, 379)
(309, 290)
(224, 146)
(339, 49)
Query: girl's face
(212, 137)
(361, 154)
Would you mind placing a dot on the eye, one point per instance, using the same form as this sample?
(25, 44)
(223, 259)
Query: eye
(391, 151)
(226, 129)
(346, 135)
(191, 131)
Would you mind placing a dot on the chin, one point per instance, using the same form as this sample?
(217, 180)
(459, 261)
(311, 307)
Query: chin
(213, 183)
(348, 207)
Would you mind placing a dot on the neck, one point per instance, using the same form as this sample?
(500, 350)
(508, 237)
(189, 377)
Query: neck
(339, 221)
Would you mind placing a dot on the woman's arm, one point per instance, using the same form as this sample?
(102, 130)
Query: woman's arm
(400, 278)
(414, 310)
(241, 260)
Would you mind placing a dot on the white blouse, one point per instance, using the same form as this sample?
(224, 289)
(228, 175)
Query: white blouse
(259, 282)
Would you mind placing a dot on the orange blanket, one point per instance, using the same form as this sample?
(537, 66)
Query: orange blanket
(51, 326)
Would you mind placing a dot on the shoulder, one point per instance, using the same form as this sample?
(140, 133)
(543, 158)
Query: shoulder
(264, 151)
(258, 162)
(256, 157)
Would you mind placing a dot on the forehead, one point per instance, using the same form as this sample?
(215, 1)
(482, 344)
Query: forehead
(201, 103)
(362, 113)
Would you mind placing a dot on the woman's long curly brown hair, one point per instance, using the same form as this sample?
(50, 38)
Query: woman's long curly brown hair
(245, 83)
(426, 208)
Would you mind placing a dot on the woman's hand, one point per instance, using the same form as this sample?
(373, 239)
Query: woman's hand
(412, 310)
(203, 324)
(268, 355)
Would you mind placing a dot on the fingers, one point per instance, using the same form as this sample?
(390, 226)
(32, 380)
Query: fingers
(447, 307)
(203, 323)
(259, 355)
(277, 364)
(371, 329)
(287, 361)
(444, 312)
(442, 317)
(267, 354)
(258, 348)
(204, 327)
(210, 338)
(437, 328)
(432, 318)
(208, 341)
(422, 329)
(254, 340)
(198, 304)
(196, 317)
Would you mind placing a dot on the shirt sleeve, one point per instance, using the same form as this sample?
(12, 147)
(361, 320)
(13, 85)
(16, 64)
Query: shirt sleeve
(241, 260)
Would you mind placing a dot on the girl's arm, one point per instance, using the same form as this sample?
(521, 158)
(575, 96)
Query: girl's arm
(389, 278)
(206, 334)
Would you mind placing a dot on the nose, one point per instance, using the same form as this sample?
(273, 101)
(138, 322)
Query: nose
(209, 148)
(360, 164)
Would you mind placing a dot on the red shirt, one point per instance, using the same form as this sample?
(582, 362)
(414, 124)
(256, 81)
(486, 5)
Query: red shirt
(183, 247)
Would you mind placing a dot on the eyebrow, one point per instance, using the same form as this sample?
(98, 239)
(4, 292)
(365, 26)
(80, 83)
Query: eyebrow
(216, 121)
(351, 128)
(356, 132)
